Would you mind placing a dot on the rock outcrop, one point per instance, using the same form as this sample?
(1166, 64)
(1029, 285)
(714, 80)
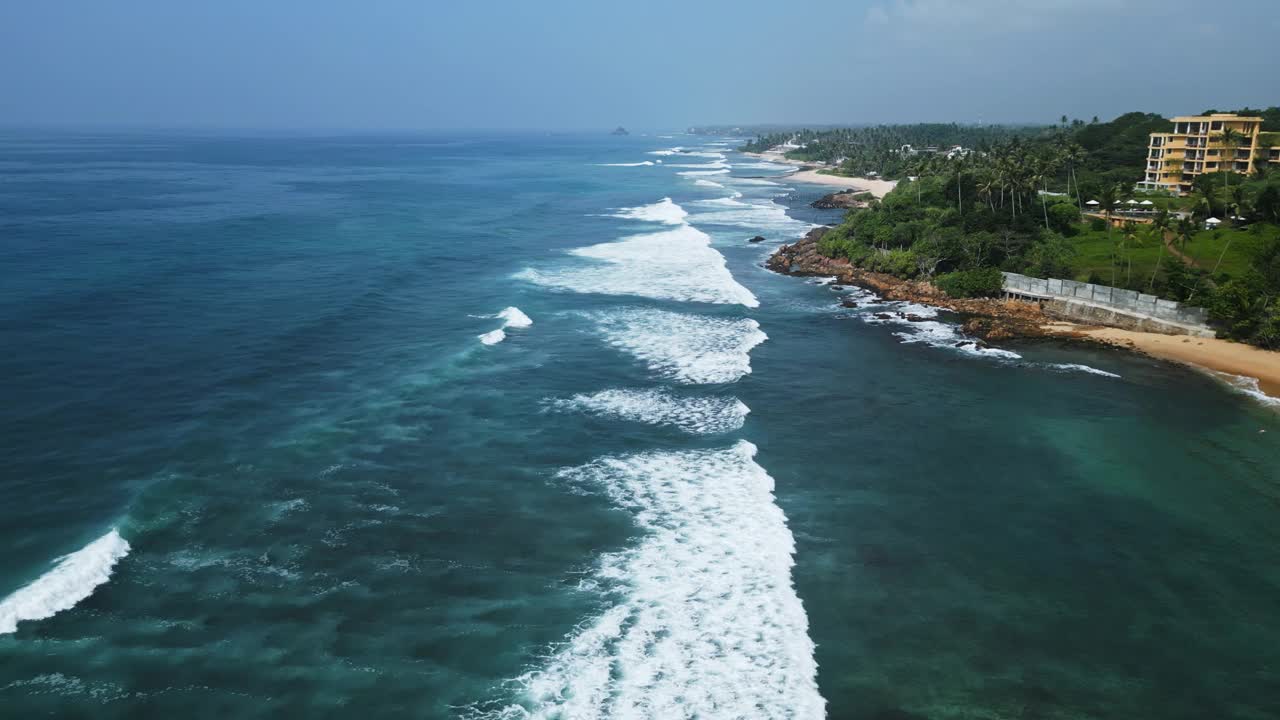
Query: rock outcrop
(987, 318)
(843, 200)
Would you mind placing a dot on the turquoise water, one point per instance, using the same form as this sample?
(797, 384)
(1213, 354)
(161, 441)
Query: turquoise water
(248, 399)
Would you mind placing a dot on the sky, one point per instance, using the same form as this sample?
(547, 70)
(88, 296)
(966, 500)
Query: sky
(574, 64)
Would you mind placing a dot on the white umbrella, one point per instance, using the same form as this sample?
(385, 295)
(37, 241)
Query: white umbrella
(1093, 202)
(1131, 202)
(1146, 202)
(1212, 221)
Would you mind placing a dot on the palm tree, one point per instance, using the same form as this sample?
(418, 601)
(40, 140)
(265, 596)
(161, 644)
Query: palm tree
(1037, 169)
(1130, 237)
(1106, 202)
(987, 187)
(1185, 230)
(1230, 138)
(1073, 154)
(1158, 230)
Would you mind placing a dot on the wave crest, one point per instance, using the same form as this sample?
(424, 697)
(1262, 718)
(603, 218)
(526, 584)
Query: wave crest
(72, 579)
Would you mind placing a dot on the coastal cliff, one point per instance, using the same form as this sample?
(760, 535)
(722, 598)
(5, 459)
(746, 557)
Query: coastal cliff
(987, 318)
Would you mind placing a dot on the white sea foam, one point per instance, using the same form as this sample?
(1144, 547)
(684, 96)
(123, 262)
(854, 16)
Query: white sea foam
(704, 621)
(717, 165)
(677, 264)
(669, 151)
(707, 183)
(751, 181)
(933, 332)
(634, 164)
(72, 579)
(694, 415)
(686, 348)
(764, 216)
(663, 211)
(493, 337)
(511, 317)
(766, 166)
(701, 173)
(1249, 386)
(1077, 367)
(514, 318)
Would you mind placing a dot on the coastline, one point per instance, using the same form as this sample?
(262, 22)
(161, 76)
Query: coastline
(808, 174)
(878, 188)
(1208, 354)
(995, 319)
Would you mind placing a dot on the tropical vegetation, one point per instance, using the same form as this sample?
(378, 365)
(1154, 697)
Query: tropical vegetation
(1017, 202)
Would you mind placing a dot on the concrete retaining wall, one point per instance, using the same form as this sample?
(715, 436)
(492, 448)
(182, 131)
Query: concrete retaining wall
(1086, 313)
(1129, 302)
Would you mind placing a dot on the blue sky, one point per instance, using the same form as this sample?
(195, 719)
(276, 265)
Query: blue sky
(397, 64)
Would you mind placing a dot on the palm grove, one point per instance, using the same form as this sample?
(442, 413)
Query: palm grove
(1016, 201)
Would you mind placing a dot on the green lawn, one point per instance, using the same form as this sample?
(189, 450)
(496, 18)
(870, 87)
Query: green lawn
(1207, 245)
(1162, 200)
(1094, 251)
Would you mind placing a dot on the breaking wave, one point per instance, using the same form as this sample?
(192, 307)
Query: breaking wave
(1077, 367)
(1249, 386)
(694, 415)
(512, 317)
(515, 318)
(703, 619)
(764, 216)
(690, 349)
(677, 264)
(663, 211)
(634, 164)
(72, 579)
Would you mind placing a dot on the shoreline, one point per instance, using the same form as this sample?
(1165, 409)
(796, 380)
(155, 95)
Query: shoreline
(1212, 355)
(877, 188)
(995, 319)
(809, 174)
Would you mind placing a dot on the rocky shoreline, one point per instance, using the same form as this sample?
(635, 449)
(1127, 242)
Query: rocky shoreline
(843, 200)
(985, 318)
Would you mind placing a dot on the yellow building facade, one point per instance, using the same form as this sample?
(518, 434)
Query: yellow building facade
(1197, 145)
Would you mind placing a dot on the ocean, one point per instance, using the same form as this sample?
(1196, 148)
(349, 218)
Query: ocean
(466, 425)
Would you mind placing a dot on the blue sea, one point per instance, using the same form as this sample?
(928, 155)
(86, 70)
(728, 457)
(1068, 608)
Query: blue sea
(466, 425)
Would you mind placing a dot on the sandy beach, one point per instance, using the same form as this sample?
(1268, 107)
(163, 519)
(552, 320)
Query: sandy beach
(1212, 354)
(777, 157)
(878, 188)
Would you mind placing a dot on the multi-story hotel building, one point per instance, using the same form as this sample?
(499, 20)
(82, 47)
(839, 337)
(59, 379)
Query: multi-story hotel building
(1196, 146)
